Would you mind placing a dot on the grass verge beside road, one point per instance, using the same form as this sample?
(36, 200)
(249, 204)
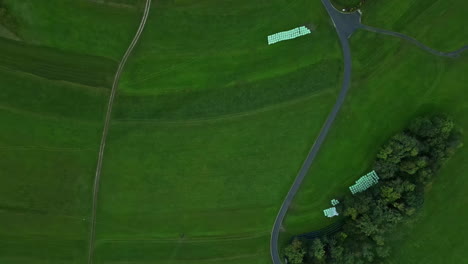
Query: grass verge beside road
(439, 24)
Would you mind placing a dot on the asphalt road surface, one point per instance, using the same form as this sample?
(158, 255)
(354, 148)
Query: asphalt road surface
(115, 84)
(345, 25)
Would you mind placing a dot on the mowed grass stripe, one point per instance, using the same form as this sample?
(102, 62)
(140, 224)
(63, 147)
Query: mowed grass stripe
(48, 143)
(47, 167)
(223, 117)
(231, 99)
(25, 93)
(57, 65)
(41, 222)
(202, 46)
(42, 251)
(188, 240)
(250, 226)
(256, 258)
(80, 26)
(179, 250)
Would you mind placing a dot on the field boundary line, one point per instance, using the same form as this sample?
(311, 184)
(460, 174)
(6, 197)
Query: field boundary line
(230, 258)
(19, 111)
(106, 129)
(188, 240)
(195, 121)
(114, 5)
(37, 76)
(46, 148)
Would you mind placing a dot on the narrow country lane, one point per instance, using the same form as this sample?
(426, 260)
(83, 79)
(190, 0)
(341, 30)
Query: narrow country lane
(451, 54)
(345, 25)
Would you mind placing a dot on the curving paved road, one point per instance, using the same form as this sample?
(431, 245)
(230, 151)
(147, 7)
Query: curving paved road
(451, 54)
(345, 25)
(105, 131)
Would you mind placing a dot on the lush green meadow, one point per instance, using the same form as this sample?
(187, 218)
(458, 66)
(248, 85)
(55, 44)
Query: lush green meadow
(80, 26)
(52, 103)
(440, 24)
(211, 125)
(210, 128)
(391, 85)
(216, 181)
(48, 143)
(52, 64)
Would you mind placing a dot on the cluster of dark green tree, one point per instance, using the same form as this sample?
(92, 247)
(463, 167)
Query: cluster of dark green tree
(6, 19)
(406, 164)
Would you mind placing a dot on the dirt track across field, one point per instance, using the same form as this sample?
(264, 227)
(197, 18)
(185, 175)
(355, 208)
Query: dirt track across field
(105, 131)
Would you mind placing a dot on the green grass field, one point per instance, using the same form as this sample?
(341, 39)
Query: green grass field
(79, 26)
(204, 107)
(54, 90)
(439, 24)
(388, 91)
(210, 128)
(52, 64)
(48, 145)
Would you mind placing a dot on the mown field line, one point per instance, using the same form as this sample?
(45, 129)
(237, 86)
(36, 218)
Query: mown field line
(244, 256)
(40, 77)
(117, 5)
(194, 260)
(106, 129)
(228, 116)
(188, 239)
(10, 212)
(44, 116)
(46, 148)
